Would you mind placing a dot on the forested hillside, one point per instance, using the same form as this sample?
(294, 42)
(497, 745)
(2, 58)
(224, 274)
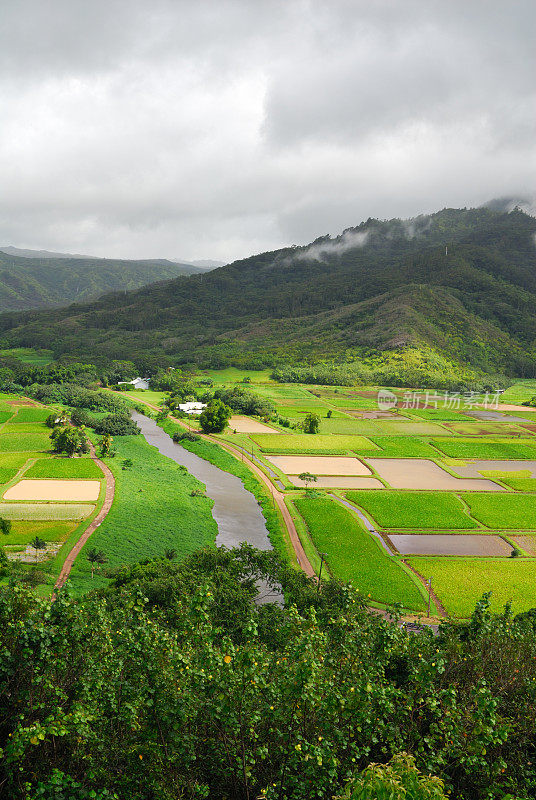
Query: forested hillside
(45, 282)
(460, 283)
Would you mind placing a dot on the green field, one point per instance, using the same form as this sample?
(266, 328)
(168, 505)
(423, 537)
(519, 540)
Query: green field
(354, 555)
(487, 448)
(503, 511)
(29, 415)
(23, 531)
(404, 447)
(311, 443)
(80, 468)
(153, 510)
(392, 509)
(519, 392)
(24, 442)
(460, 582)
(31, 355)
(520, 484)
(45, 511)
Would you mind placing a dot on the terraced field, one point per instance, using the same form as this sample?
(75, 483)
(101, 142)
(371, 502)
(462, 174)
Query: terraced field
(424, 479)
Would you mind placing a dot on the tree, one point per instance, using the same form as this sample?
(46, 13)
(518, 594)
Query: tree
(5, 526)
(105, 445)
(215, 417)
(307, 478)
(311, 423)
(38, 544)
(69, 440)
(95, 556)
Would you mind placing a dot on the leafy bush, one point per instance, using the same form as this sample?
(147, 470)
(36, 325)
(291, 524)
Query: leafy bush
(116, 425)
(71, 394)
(245, 402)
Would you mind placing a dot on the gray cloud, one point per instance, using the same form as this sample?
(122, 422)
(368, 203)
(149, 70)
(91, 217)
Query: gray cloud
(219, 129)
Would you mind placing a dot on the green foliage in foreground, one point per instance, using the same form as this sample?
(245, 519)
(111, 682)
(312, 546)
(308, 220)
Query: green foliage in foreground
(153, 510)
(354, 555)
(174, 685)
(501, 510)
(391, 509)
(398, 780)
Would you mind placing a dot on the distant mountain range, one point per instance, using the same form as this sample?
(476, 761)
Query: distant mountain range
(461, 283)
(42, 279)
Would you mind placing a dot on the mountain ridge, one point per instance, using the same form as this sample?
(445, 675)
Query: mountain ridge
(460, 281)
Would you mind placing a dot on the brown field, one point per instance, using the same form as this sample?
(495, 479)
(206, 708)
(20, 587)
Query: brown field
(319, 465)
(248, 425)
(450, 544)
(54, 490)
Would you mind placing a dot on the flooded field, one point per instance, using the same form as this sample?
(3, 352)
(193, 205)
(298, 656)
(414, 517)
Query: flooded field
(319, 465)
(450, 544)
(474, 468)
(339, 482)
(420, 473)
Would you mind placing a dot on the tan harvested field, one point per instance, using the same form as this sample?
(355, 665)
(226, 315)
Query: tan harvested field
(509, 407)
(248, 425)
(319, 465)
(339, 482)
(54, 490)
(420, 473)
(473, 468)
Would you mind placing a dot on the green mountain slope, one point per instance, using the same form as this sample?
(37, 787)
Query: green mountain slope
(461, 282)
(57, 280)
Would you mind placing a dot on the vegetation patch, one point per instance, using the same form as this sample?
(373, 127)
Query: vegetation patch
(487, 449)
(312, 443)
(402, 447)
(23, 531)
(153, 510)
(45, 511)
(64, 468)
(24, 442)
(520, 484)
(354, 555)
(413, 509)
(460, 582)
(504, 510)
(30, 415)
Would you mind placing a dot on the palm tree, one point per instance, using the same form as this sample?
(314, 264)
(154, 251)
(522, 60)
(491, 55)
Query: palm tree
(38, 544)
(95, 556)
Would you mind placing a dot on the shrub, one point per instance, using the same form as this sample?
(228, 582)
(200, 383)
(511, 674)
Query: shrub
(116, 425)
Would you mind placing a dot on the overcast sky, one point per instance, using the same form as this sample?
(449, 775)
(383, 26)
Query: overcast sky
(221, 128)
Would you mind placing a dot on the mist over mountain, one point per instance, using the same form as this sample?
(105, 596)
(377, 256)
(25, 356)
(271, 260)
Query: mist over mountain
(460, 282)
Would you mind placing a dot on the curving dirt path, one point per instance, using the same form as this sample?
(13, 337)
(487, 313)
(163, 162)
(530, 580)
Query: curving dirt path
(92, 527)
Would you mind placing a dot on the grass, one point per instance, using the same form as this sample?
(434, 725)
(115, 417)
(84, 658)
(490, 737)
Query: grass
(308, 443)
(146, 396)
(24, 442)
(461, 582)
(391, 509)
(64, 468)
(508, 511)
(4, 416)
(234, 375)
(153, 510)
(45, 511)
(352, 554)
(486, 448)
(519, 392)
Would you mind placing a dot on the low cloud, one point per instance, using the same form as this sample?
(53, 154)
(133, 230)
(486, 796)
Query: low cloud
(333, 247)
